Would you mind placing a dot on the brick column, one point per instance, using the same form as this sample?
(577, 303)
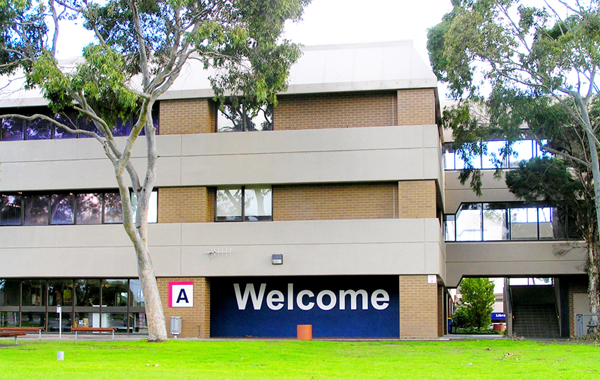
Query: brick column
(186, 116)
(185, 205)
(416, 107)
(195, 321)
(418, 308)
(417, 199)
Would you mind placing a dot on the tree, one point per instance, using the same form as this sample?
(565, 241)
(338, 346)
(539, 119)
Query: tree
(512, 66)
(477, 302)
(140, 49)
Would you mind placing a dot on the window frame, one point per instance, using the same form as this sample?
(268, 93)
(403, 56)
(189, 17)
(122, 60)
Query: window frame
(243, 217)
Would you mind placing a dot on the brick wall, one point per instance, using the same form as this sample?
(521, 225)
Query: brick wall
(419, 318)
(334, 201)
(185, 205)
(337, 110)
(185, 116)
(417, 199)
(416, 107)
(195, 321)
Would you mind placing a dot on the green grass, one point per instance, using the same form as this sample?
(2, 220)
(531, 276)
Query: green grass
(476, 359)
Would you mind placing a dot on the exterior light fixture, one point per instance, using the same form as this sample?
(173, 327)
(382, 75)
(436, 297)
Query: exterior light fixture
(277, 259)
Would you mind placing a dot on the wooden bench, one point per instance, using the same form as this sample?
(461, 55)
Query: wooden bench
(23, 329)
(12, 334)
(93, 329)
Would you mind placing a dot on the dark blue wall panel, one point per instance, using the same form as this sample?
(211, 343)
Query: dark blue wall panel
(235, 316)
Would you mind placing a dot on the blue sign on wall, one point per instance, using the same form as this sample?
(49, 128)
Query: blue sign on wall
(336, 306)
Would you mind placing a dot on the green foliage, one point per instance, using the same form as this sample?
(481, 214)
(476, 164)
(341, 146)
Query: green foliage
(474, 330)
(477, 302)
(460, 318)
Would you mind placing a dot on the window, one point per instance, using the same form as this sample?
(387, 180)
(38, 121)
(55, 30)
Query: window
(507, 221)
(10, 210)
(36, 209)
(521, 150)
(245, 203)
(14, 129)
(232, 118)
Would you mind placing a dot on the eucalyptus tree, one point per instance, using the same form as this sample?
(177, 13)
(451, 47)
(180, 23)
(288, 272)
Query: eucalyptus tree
(139, 50)
(513, 66)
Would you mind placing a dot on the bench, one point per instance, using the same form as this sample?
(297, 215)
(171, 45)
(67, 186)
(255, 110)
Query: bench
(23, 329)
(12, 334)
(93, 329)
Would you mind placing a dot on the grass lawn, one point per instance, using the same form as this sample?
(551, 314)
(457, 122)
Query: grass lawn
(472, 359)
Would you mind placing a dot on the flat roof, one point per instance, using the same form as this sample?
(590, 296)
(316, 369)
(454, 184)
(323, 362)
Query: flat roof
(320, 69)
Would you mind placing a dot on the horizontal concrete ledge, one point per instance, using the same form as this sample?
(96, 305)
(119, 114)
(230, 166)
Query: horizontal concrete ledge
(512, 259)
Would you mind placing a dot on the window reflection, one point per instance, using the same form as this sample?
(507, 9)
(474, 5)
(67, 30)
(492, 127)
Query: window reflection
(229, 204)
(114, 292)
(232, 118)
(68, 119)
(63, 209)
(9, 292)
(60, 292)
(521, 150)
(495, 222)
(257, 203)
(36, 210)
(34, 292)
(10, 210)
(87, 292)
(500, 221)
(468, 222)
(89, 208)
(113, 212)
(39, 129)
(12, 129)
(247, 203)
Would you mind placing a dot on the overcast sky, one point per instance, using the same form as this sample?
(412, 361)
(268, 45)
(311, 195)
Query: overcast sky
(334, 22)
(352, 21)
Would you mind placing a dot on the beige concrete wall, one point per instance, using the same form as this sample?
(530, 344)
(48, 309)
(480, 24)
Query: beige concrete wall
(326, 247)
(374, 154)
(418, 308)
(493, 190)
(516, 259)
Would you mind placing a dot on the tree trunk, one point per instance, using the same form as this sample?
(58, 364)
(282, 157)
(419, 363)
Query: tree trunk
(157, 329)
(593, 278)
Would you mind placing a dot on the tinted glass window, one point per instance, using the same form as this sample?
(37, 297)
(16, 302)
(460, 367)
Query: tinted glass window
(12, 129)
(63, 209)
(39, 129)
(257, 203)
(112, 208)
(10, 210)
(232, 118)
(114, 292)
(87, 292)
(89, 208)
(68, 119)
(229, 204)
(34, 292)
(36, 210)
(123, 128)
(9, 292)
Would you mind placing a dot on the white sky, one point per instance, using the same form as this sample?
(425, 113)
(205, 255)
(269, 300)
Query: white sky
(334, 22)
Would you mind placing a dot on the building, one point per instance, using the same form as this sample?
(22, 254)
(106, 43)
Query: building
(330, 209)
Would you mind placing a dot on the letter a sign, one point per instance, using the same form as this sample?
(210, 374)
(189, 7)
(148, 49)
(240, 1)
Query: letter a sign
(181, 294)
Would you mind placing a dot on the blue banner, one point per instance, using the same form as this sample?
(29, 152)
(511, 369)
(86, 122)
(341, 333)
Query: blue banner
(336, 306)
